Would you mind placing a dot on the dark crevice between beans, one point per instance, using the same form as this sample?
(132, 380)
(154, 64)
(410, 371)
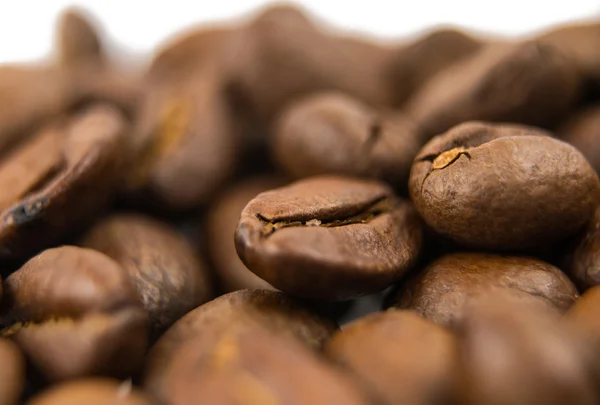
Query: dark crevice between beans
(368, 213)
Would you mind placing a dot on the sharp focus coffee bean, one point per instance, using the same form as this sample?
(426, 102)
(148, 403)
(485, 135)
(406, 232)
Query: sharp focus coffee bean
(440, 292)
(519, 354)
(74, 312)
(222, 220)
(329, 237)
(163, 266)
(400, 357)
(92, 391)
(333, 133)
(503, 187)
(12, 373)
(530, 83)
(582, 130)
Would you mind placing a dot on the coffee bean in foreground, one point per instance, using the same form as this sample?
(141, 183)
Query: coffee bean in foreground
(329, 237)
(92, 391)
(502, 187)
(12, 373)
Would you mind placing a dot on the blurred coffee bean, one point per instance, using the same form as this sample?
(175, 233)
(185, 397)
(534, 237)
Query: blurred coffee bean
(247, 361)
(582, 43)
(519, 354)
(57, 180)
(77, 40)
(222, 220)
(400, 357)
(413, 65)
(582, 261)
(333, 133)
(329, 237)
(503, 186)
(529, 83)
(582, 130)
(12, 373)
(582, 318)
(74, 312)
(440, 292)
(92, 391)
(168, 275)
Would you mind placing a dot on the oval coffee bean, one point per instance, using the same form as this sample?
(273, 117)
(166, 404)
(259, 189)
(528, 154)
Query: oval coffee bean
(400, 357)
(92, 391)
(582, 130)
(56, 181)
(512, 353)
(413, 65)
(329, 237)
(74, 312)
(530, 83)
(334, 133)
(440, 292)
(12, 373)
(166, 271)
(503, 186)
(222, 220)
(248, 362)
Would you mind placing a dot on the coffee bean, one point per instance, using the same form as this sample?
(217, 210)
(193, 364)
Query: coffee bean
(582, 130)
(12, 373)
(529, 83)
(400, 357)
(502, 186)
(57, 180)
(440, 292)
(247, 361)
(519, 354)
(74, 312)
(78, 42)
(582, 261)
(168, 275)
(329, 237)
(222, 220)
(334, 133)
(92, 391)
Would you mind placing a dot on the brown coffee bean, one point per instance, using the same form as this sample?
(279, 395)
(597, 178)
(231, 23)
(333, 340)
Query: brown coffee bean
(12, 373)
(329, 237)
(440, 292)
(246, 362)
(78, 42)
(414, 64)
(582, 43)
(58, 179)
(503, 186)
(222, 220)
(582, 130)
(520, 354)
(582, 261)
(74, 312)
(530, 83)
(333, 133)
(168, 275)
(92, 391)
(400, 357)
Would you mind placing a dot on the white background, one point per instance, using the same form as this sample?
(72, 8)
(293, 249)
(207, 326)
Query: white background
(27, 26)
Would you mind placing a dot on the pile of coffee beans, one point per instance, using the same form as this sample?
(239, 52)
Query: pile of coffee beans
(271, 212)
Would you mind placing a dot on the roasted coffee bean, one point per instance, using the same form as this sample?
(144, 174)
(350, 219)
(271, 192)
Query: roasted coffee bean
(74, 312)
(400, 357)
(503, 186)
(582, 318)
(582, 43)
(582, 261)
(289, 56)
(12, 373)
(333, 133)
(529, 83)
(413, 65)
(78, 41)
(168, 275)
(222, 220)
(582, 130)
(55, 181)
(329, 237)
(96, 391)
(440, 292)
(512, 353)
(245, 361)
